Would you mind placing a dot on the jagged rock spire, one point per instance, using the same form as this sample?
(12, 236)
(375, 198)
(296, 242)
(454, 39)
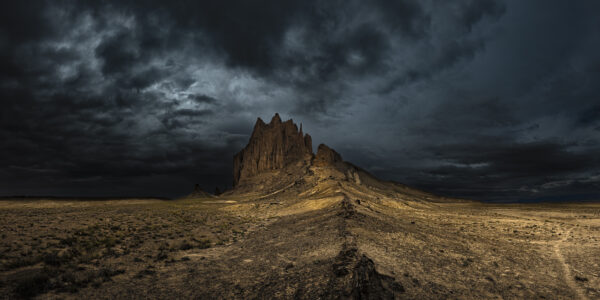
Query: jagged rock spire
(276, 119)
(271, 146)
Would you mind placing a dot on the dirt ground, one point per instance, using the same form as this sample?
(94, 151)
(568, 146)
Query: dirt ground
(338, 240)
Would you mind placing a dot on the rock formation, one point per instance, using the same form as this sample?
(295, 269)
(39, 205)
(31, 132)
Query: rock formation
(327, 156)
(199, 193)
(272, 146)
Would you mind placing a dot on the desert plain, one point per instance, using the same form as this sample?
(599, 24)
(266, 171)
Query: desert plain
(326, 245)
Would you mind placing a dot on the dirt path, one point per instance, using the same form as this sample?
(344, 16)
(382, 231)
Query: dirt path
(566, 270)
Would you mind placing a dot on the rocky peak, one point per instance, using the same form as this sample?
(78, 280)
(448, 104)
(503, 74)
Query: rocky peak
(271, 146)
(276, 119)
(327, 156)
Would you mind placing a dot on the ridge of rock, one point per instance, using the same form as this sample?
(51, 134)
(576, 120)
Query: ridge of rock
(271, 146)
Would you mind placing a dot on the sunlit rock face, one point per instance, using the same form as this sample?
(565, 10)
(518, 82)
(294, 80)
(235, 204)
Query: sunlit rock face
(271, 146)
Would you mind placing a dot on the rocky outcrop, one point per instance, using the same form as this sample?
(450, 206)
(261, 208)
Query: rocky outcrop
(271, 146)
(327, 157)
(199, 193)
(355, 277)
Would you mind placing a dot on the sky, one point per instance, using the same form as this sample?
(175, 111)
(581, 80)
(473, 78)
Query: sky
(482, 99)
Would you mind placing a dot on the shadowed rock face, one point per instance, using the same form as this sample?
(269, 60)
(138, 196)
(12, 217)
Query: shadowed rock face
(327, 156)
(271, 146)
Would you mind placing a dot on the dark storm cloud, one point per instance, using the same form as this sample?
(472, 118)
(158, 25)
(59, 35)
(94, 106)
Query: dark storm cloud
(203, 99)
(499, 164)
(251, 34)
(485, 99)
(474, 11)
(451, 50)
